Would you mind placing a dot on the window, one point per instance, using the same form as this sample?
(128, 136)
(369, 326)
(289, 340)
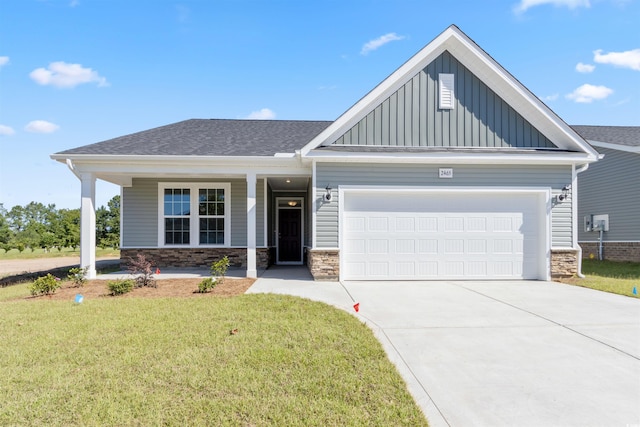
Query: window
(194, 214)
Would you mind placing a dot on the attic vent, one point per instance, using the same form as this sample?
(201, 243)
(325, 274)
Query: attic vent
(446, 91)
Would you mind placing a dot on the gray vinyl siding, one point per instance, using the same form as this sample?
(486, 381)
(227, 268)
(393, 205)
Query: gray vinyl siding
(271, 217)
(410, 117)
(140, 211)
(411, 175)
(140, 214)
(259, 213)
(611, 186)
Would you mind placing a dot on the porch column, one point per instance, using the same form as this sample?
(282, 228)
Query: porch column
(88, 224)
(252, 270)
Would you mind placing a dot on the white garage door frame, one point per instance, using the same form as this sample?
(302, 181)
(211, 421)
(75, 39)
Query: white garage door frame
(543, 211)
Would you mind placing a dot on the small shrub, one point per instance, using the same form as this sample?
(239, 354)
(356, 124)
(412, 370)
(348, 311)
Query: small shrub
(207, 285)
(141, 268)
(44, 285)
(119, 287)
(219, 268)
(78, 276)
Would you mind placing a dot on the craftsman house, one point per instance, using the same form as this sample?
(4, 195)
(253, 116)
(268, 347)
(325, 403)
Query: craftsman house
(448, 169)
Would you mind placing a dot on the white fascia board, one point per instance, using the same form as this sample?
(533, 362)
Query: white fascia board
(451, 158)
(486, 69)
(185, 165)
(618, 147)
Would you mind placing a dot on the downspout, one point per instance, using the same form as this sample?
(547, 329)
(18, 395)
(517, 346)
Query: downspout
(578, 171)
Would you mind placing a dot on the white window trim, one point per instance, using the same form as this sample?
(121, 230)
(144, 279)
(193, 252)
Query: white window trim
(194, 233)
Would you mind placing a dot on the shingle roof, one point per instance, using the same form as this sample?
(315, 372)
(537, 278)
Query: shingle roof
(622, 135)
(211, 137)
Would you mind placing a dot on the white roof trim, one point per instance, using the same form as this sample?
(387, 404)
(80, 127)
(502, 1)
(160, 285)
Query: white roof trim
(486, 69)
(612, 146)
(451, 158)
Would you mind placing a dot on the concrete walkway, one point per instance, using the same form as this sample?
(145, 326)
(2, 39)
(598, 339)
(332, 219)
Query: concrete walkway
(523, 353)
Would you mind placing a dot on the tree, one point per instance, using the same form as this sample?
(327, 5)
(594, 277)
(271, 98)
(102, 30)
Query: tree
(5, 231)
(108, 224)
(69, 228)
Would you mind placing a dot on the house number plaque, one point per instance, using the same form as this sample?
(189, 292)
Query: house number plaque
(445, 173)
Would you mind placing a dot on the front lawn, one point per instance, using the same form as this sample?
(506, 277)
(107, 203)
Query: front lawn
(609, 276)
(250, 360)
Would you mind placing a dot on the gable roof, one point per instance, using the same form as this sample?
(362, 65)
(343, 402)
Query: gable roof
(469, 54)
(210, 137)
(625, 138)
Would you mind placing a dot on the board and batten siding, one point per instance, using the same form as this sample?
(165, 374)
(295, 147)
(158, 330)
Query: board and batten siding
(412, 175)
(410, 116)
(611, 186)
(140, 211)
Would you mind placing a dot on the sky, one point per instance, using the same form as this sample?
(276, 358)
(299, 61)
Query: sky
(75, 72)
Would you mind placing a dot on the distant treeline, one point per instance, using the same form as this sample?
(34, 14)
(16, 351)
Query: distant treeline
(36, 226)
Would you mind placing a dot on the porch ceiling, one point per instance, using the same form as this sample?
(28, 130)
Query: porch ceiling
(293, 183)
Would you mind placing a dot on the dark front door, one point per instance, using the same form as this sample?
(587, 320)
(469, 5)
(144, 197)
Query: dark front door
(289, 235)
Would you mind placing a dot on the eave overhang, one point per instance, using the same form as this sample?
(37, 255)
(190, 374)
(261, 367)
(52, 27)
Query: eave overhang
(121, 169)
(619, 147)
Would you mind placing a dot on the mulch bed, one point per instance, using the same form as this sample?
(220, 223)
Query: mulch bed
(167, 288)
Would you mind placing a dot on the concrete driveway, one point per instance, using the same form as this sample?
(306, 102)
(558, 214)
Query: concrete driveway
(513, 353)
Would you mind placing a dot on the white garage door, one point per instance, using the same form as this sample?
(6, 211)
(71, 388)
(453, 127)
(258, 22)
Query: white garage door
(437, 235)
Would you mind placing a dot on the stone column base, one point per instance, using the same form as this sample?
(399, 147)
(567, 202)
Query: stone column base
(324, 264)
(564, 263)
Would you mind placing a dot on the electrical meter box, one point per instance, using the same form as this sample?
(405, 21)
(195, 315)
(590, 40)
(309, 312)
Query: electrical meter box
(596, 222)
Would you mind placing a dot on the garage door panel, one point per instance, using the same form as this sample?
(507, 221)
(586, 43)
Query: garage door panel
(462, 236)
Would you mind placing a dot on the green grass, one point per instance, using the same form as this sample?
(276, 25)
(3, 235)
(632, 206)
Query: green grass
(609, 276)
(141, 361)
(54, 253)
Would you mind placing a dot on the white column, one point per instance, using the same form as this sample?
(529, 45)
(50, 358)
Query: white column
(252, 270)
(88, 224)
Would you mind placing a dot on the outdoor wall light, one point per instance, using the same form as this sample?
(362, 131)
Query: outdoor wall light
(565, 192)
(327, 196)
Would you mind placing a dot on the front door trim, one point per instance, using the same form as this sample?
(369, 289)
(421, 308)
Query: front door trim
(300, 207)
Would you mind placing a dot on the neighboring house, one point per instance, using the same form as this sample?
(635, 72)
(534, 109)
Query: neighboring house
(448, 169)
(610, 189)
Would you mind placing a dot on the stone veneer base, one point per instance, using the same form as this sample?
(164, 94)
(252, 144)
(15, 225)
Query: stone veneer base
(564, 263)
(612, 251)
(324, 264)
(195, 257)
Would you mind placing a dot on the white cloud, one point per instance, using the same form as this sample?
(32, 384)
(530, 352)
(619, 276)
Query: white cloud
(263, 114)
(626, 59)
(63, 75)
(6, 130)
(588, 93)
(41, 126)
(4, 60)
(551, 97)
(584, 68)
(524, 5)
(379, 42)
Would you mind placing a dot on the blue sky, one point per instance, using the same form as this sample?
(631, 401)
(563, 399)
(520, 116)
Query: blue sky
(74, 72)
